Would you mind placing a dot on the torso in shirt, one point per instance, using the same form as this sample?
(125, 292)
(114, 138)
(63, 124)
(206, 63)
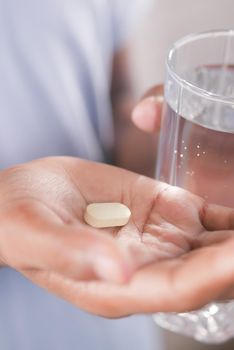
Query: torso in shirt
(55, 68)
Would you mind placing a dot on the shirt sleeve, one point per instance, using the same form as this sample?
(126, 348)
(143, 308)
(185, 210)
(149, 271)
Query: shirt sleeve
(126, 14)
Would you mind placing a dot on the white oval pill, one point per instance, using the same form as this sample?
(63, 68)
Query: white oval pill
(102, 215)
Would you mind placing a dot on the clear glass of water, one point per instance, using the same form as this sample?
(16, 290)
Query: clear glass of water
(196, 149)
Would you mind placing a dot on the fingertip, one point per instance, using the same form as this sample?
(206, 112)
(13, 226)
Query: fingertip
(115, 265)
(112, 270)
(147, 114)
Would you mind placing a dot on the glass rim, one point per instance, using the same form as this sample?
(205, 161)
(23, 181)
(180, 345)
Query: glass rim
(187, 85)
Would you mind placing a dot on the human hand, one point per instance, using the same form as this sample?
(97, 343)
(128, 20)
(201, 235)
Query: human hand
(216, 150)
(148, 112)
(177, 250)
(42, 228)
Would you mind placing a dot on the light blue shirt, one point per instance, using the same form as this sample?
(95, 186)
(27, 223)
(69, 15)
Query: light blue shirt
(33, 319)
(55, 68)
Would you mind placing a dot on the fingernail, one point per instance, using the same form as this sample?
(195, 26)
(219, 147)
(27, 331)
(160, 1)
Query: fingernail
(145, 107)
(158, 98)
(145, 113)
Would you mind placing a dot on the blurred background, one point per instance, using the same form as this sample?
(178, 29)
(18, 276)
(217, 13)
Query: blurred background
(168, 21)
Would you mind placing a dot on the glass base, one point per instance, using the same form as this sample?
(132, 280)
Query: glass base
(213, 323)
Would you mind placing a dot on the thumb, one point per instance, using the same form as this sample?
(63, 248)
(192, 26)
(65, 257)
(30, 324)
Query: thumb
(147, 113)
(75, 252)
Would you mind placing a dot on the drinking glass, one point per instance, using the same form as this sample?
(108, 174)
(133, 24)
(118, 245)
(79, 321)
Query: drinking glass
(196, 149)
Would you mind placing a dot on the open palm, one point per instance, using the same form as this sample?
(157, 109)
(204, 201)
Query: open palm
(152, 258)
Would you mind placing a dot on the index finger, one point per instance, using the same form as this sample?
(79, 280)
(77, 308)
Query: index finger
(216, 217)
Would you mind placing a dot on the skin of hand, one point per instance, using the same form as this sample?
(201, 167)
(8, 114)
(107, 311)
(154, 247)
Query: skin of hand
(147, 113)
(175, 254)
